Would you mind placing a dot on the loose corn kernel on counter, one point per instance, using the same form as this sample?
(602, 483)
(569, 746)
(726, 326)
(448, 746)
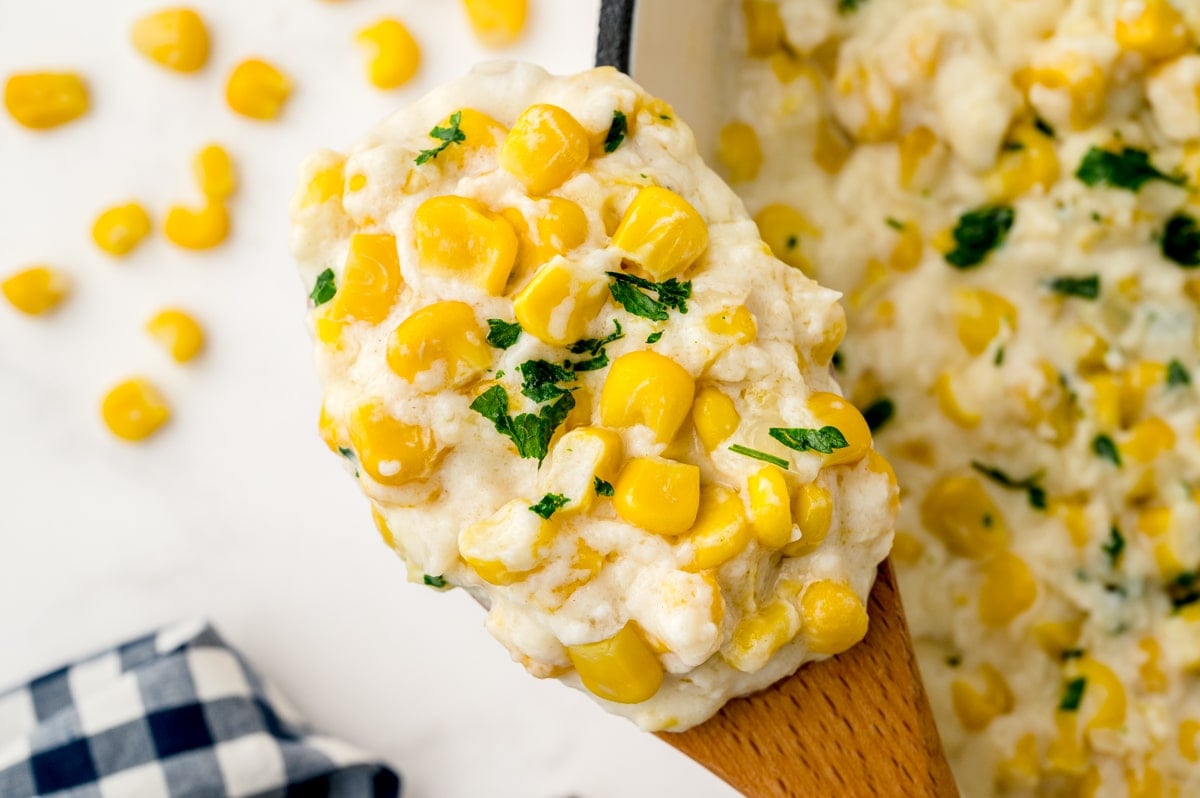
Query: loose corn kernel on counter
(573, 381)
(1006, 191)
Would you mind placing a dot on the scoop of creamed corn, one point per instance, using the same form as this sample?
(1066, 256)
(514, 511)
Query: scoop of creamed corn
(1006, 192)
(572, 380)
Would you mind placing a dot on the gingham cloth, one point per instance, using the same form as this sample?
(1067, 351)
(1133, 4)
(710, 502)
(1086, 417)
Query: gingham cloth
(177, 714)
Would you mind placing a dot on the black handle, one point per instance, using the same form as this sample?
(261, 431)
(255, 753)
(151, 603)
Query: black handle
(616, 34)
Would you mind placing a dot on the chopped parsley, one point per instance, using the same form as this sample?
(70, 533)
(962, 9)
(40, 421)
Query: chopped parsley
(629, 292)
(1113, 547)
(1177, 375)
(1181, 241)
(602, 488)
(823, 440)
(757, 455)
(1184, 589)
(1070, 653)
(540, 378)
(434, 581)
(1072, 696)
(502, 334)
(1106, 449)
(1083, 287)
(1128, 169)
(550, 504)
(849, 6)
(1031, 484)
(999, 359)
(977, 233)
(1044, 127)
(595, 348)
(895, 223)
(324, 289)
(446, 135)
(879, 412)
(347, 453)
(654, 337)
(529, 432)
(616, 131)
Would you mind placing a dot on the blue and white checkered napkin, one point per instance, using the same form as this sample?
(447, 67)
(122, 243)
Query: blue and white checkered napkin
(176, 714)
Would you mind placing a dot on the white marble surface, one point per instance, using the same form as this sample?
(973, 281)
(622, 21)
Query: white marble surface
(236, 512)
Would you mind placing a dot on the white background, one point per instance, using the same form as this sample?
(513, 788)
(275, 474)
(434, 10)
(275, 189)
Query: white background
(236, 512)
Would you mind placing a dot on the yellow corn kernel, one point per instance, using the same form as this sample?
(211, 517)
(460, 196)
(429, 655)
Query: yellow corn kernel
(833, 411)
(980, 316)
(1084, 82)
(764, 27)
(1136, 381)
(330, 430)
(739, 152)
(197, 229)
(714, 416)
(459, 238)
(657, 495)
(910, 245)
(721, 531)
(178, 333)
(1154, 522)
(216, 177)
(480, 132)
(1065, 753)
(395, 54)
(1109, 710)
(661, 232)
(556, 306)
(907, 549)
(1106, 400)
(507, 546)
(759, 635)
(368, 288)
(134, 409)
(1055, 637)
(645, 387)
(977, 708)
(1031, 161)
(1150, 670)
(812, 510)
(36, 290)
(257, 90)
(577, 459)
(770, 507)
(1023, 769)
(42, 100)
(783, 227)
(121, 228)
(444, 336)
(326, 183)
(1008, 588)
(1075, 518)
(561, 226)
(738, 323)
(1148, 439)
(496, 23)
(832, 617)
(1188, 731)
(391, 451)
(381, 525)
(830, 150)
(545, 146)
(960, 513)
(621, 669)
(950, 404)
(915, 146)
(824, 350)
(174, 37)
(1152, 28)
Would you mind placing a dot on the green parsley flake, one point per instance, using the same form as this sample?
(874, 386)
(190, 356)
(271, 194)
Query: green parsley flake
(879, 413)
(550, 504)
(1184, 590)
(1083, 287)
(540, 378)
(1031, 484)
(978, 232)
(1181, 241)
(446, 135)
(895, 224)
(1128, 169)
(1044, 127)
(654, 337)
(502, 334)
(1177, 375)
(1113, 546)
(628, 291)
(1106, 449)
(616, 131)
(347, 453)
(757, 455)
(602, 488)
(1072, 696)
(529, 432)
(324, 289)
(434, 581)
(596, 348)
(849, 6)
(823, 440)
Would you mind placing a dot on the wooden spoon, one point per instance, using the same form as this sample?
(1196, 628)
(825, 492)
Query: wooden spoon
(858, 724)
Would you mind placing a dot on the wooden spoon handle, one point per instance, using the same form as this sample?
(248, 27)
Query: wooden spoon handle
(858, 724)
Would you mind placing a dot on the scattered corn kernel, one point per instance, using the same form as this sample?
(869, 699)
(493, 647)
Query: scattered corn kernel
(977, 708)
(721, 531)
(764, 27)
(496, 23)
(121, 228)
(657, 495)
(1152, 28)
(980, 316)
(257, 90)
(1008, 588)
(621, 669)
(178, 333)
(812, 510)
(738, 323)
(134, 410)
(647, 388)
(36, 290)
(215, 175)
(556, 306)
(368, 288)
(783, 227)
(915, 147)
(661, 232)
(759, 635)
(545, 146)
(739, 151)
(1188, 731)
(560, 227)
(576, 461)
(834, 411)
(391, 451)
(459, 238)
(714, 416)
(42, 100)
(950, 402)
(1148, 439)
(770, 507)
(444, 336)
(197, 229)
(507, 546)
(833, 617)
(395, 53)
(174, 37)
(960, 513)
